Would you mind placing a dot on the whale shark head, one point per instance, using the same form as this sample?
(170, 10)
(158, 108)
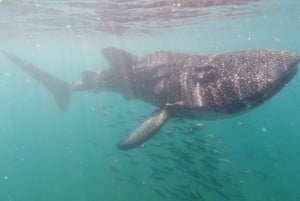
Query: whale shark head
(235, 81)
(269, 72)
(279, 71)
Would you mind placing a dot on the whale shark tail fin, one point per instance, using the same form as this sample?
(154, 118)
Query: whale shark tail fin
(60, 89)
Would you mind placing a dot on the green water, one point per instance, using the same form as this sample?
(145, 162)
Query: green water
(47, 155)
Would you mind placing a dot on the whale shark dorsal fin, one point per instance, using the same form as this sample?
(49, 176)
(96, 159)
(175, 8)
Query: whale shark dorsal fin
(118, 58)
(146, 130)
(59, 88)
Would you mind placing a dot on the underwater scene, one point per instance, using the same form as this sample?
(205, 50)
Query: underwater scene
(61, 134)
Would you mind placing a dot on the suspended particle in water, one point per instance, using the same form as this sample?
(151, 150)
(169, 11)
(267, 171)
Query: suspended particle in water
(5, 177)
(249, 36)
(264, 130)
(199, 124)
(211, 135)
(7, 74)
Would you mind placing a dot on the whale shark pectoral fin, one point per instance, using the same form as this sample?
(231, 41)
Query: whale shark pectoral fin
(60, 89)
(147, 130)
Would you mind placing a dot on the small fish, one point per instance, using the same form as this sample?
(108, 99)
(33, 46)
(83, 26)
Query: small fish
(113, 169)
(159, 192)
(156, 177)
(172, 193)
(223, 195)
(203, 184)
(214, 181)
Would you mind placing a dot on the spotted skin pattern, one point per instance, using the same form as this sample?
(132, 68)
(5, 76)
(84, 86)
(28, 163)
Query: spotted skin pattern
(220, 83)
(207, 87)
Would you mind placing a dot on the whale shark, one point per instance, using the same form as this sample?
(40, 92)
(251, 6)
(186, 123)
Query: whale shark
(179, 85)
